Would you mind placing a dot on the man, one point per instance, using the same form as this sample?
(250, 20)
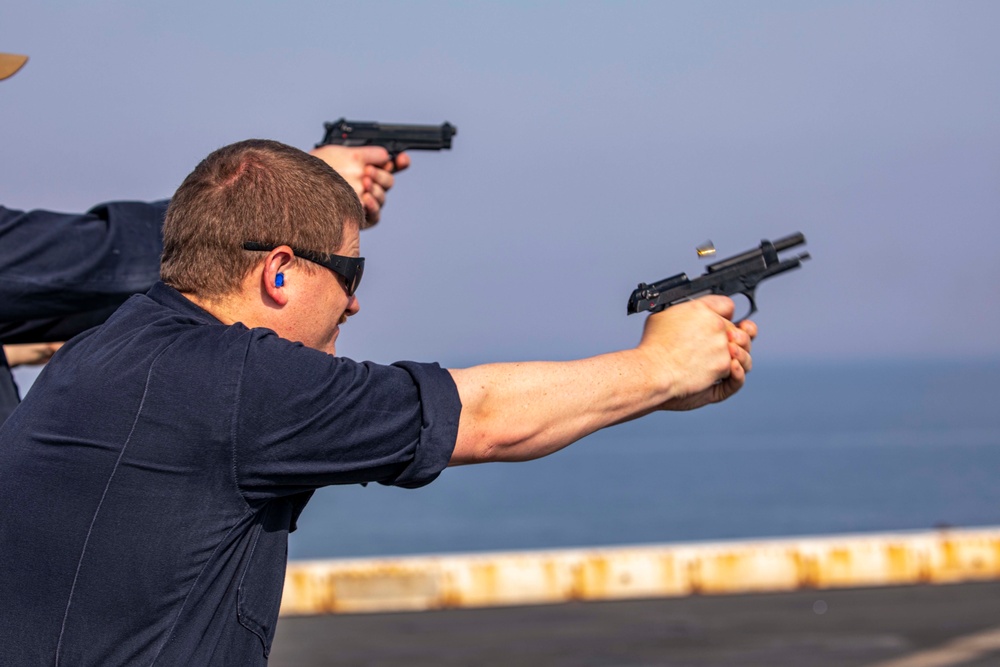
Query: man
(61, 274)
(152, 475)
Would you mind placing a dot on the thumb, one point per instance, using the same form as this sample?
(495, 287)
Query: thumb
(375, 155)
(721, 305)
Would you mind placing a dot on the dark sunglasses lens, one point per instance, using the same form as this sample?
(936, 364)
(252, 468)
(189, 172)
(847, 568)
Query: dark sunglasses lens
(359, 270)
(351, 270)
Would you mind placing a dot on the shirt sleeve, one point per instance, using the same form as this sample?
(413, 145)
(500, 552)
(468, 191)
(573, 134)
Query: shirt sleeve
(307, 419)
(53, 329)
(57, 264)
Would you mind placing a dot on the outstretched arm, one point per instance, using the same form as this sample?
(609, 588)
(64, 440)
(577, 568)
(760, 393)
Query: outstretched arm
(58, 264)
(689, 356)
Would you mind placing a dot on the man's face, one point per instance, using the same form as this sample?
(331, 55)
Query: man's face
(321, 304)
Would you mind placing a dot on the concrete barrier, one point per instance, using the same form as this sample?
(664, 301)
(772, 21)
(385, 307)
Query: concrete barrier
(545, 577)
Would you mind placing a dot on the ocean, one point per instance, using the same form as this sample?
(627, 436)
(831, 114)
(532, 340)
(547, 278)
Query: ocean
(802, 450)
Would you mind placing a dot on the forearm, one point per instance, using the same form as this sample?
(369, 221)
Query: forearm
(31, 354)
(690, 355)
(523, 411)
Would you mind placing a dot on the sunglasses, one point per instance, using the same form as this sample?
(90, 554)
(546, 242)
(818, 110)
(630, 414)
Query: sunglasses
(349, 268)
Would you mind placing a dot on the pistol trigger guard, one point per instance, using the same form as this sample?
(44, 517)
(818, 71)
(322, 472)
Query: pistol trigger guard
(749, 294)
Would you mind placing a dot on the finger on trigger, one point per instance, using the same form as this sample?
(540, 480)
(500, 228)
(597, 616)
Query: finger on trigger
(401, 162)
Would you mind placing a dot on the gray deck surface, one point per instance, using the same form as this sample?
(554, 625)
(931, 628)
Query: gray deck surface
(856, 627)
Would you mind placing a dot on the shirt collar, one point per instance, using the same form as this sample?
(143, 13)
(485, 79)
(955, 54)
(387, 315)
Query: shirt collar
(165, 295)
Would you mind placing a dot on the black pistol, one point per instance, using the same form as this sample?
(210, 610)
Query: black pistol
(739, 274)
(394, 138)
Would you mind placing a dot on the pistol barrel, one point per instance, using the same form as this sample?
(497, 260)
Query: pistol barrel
(789, 241)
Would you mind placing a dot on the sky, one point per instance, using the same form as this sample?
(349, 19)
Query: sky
(598, 144)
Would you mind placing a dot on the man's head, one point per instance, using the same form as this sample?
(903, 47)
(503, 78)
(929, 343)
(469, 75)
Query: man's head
(253, 191)
(285, 205)
(10, 63)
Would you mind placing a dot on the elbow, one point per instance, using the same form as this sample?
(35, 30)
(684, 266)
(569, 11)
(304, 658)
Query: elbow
(481, 442)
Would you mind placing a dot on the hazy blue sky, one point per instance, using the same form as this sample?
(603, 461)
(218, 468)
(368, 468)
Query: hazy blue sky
(598, 144)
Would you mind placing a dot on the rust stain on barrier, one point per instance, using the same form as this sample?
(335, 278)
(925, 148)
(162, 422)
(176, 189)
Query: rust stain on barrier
(807, 570)
(480, 580)
(694, 576)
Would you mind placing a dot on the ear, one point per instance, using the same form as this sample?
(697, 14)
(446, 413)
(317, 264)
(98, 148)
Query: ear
(276, 264)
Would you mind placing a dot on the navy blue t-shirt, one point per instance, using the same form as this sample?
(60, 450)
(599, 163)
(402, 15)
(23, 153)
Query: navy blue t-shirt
(151, 477)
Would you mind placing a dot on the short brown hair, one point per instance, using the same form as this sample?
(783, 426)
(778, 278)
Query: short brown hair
(254, 190)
